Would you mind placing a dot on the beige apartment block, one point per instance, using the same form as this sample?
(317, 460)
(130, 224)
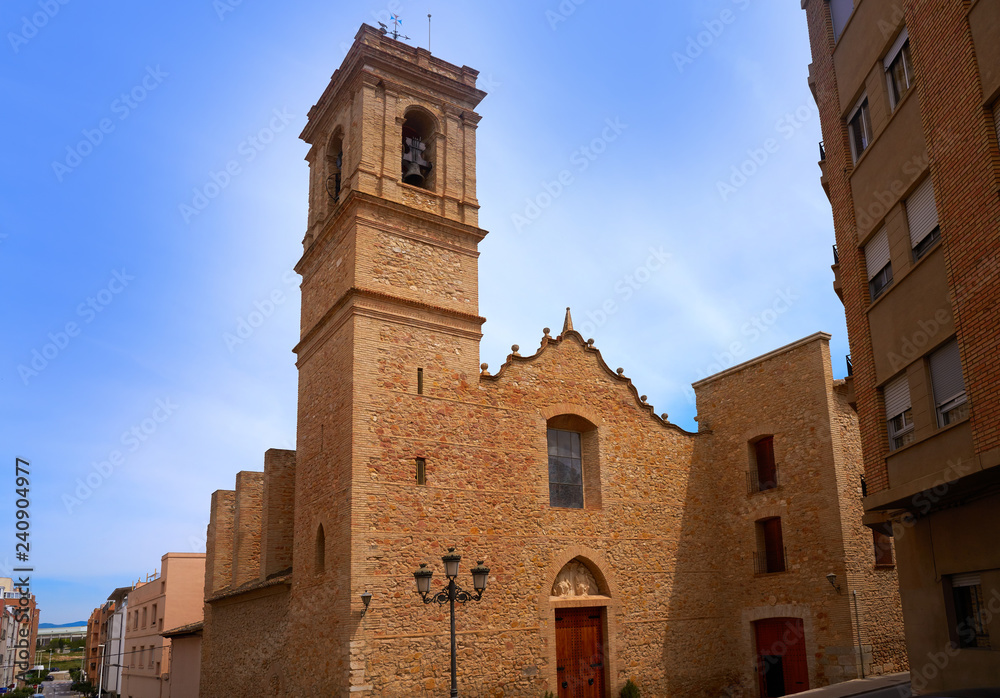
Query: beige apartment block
(909, 100)
(173, 599)
(731, 561)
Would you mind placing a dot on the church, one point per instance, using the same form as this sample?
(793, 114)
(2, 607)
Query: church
(619, 546)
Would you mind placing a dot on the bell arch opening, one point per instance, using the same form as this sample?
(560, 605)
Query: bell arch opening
(419, 156)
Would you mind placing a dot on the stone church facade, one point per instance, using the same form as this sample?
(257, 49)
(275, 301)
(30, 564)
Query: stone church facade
(619, 545)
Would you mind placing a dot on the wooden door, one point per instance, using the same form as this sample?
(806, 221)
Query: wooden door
(580, 652)
(782, 668)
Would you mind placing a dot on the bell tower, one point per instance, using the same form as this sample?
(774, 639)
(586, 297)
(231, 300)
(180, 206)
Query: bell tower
(390, 314)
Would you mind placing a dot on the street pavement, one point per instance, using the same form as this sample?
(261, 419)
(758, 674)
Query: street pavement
(58, 688)
(888, 686)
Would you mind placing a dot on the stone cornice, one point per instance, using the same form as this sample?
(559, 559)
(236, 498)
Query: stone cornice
(373, 52)
(354, 205)
(384, 306)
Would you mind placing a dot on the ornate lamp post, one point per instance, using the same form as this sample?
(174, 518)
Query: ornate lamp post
(450, 595)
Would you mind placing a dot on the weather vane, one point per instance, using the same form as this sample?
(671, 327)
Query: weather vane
(397, 22)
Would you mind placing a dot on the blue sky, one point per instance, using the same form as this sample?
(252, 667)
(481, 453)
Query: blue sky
(117, 112)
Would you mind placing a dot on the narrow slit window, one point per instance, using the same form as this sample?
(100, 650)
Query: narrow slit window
(421, 471)
(320, 550)
(420, 381)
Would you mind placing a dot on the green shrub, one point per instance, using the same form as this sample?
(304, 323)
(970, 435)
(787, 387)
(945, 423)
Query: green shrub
(630, 690)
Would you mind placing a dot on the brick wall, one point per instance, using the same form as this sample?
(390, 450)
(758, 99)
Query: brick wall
(278, 505)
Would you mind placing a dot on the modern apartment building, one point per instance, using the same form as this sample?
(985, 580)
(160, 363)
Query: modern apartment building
(168, 601)
(909, 99)
(24, 631)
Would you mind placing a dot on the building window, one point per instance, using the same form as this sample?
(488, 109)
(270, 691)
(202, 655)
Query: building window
(418, 149)
(142, 656)
(968, 624)
(420, 381)
(154, 615)
(878, 264)
(840, 12)
(565, 469)
(883, 549)
(770, 554)
(922, 219)
(950, 401)
(421, 471)
(574, 472)
(334, 165)
(898, 414)
(320, 550)
(859, 126)
(145, 616)
(763, 469)
(898, 71)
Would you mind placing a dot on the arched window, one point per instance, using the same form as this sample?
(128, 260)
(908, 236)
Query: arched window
(574, 468)
(320, 550)
(418, 149)
(334, 165)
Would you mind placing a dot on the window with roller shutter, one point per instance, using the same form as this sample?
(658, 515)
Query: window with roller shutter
(950, 401)
(898, 71)
(922, 219)
(898, 412)
(878, 264)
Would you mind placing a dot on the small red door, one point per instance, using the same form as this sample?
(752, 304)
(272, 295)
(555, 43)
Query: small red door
(782, 668)
(580, 652)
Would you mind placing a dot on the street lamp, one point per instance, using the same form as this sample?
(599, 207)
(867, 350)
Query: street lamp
(451, 594)
(100, 671)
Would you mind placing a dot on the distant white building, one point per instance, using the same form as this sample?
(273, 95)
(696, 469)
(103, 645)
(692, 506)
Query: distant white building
(114, 657)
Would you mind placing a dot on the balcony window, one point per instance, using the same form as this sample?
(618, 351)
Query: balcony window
(950, 401)
(859, 126)
(763, 474)
(922, 219)
(898, 70)
(878, 264)
(898, 412)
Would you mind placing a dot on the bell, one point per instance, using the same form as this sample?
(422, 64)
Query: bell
(412, 175)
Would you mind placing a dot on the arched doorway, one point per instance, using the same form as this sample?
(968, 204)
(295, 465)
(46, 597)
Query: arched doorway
(581, 631)
(782, 667)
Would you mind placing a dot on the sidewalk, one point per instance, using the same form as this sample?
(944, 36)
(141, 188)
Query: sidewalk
(858, 686)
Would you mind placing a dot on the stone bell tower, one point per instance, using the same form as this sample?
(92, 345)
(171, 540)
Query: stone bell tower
(390, 317)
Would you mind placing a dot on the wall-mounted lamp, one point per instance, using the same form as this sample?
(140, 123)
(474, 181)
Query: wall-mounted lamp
(832, 578)
(366, 599)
